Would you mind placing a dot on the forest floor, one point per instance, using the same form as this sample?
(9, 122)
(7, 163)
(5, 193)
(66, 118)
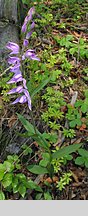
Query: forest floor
(61, 42)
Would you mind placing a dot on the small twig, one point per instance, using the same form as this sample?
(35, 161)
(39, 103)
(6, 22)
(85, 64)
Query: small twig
(5, 71)
(73, 100)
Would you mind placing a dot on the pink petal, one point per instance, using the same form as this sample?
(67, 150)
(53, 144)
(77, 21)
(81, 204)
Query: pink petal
(25, 42)
(23, 99)
(24, 83)
(13, 60)
(16, 101)
(19, 89)
(32, 25)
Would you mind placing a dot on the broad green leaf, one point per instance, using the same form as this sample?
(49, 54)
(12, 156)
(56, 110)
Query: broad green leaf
(15, 189)
(79, 160)
(46, 159)
(15, 181)
(2, 196)
(66, 151)
(27, 151)
(25, 2)
(21, 177)
(47, 196)
(15, 185)
(33, 186)
(1, 175)
(7, 179)
(38, 196)
(8, 166)
(43, 163)
(22, 190)
(83, 152)
(68, 157)
(78, 122)
(72, 123)
(2, 170)
(46, 156)
(40, 87)
(18, 166)
(84, 107)
(36, 169)
(10, 158)
(86, 163)
(86, 93)
(78, 103)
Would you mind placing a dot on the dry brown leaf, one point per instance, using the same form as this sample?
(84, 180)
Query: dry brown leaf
(64, 109)
(77, 184)
(12, 121)
(83, 127)
(75, 177)
(36, 144)
(55, 179)
(49, 180)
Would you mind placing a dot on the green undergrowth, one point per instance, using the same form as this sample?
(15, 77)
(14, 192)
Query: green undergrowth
(52, 83)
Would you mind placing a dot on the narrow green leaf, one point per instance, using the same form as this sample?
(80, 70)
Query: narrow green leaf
(28, 126)
(66, 151)
(36, 169)
(40, 87)
(37, 136)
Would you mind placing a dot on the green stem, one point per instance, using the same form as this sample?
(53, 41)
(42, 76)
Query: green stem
(33, 122)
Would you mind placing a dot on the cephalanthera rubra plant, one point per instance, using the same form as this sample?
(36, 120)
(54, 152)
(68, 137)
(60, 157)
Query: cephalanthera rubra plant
(16, 58)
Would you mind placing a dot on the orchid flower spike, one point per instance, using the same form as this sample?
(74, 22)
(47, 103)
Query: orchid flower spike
(15, 59)
(13, 47)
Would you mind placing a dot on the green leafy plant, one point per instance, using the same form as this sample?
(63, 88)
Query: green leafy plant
(47, 196)
(5, 87)
(69, 133)
(74, 116)
(82, 160)
(58, 162)
(27, 149)
(48, 82)
(54, 99)
(45, 166)
(12, 181)
(64, 180)
(77, 49)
